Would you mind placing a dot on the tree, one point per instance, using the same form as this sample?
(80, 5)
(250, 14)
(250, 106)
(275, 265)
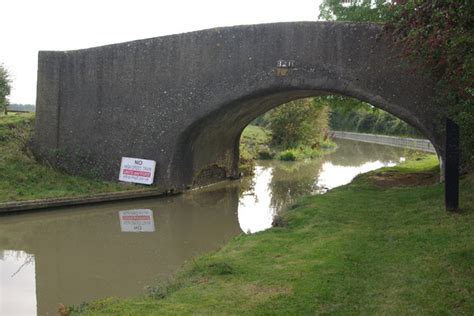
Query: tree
(356, 10)
(302, 122)
(439, 34)
(348, 114)
(5, 88)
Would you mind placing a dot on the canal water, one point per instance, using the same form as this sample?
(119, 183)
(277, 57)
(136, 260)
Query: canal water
(76, 254)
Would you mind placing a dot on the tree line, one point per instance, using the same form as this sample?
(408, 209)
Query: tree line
(21, 107)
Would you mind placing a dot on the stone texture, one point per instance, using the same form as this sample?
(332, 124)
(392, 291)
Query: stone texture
(183, 100)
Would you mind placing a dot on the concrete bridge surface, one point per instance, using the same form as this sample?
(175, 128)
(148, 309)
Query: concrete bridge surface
(183, 100)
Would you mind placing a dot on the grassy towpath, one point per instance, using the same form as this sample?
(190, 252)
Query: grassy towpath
(380, 245)
(22, 178)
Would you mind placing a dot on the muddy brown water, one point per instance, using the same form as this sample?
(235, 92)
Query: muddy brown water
(76, 254)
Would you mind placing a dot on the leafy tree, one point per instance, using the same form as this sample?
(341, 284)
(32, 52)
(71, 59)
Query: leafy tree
(364, 118)
(4, 88)
(302, 122)
(439, 34)
(356, 10)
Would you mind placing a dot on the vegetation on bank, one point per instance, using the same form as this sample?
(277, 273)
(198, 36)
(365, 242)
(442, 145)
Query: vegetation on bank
(293, 131)
(22, 178)
(380, 245)
(352, 115)
(255, 143)
(302, 122)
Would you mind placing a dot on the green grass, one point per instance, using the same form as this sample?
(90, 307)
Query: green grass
(304, 152)
(359, 249)
(22, 178)
(255, 135)
(418, 162)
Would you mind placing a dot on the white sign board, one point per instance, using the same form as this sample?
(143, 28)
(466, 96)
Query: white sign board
(137, 221)
(137, 170)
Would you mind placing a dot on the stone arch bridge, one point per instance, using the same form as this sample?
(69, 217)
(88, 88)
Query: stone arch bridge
(183, 100)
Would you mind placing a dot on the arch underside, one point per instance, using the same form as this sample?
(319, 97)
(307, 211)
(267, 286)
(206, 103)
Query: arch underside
(211, 145)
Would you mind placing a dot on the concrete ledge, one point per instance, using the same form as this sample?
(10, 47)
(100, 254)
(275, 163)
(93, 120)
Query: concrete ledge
(18, 206)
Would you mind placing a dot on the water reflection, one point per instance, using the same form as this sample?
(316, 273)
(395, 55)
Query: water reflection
(137, 221)
(331, 175)
(353, 154)
(17, 283)
(276, 184)
(78, 254)
(81, 253)
(259, 198)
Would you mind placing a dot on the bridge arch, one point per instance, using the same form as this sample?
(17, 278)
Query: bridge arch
(210, 146)
(183, 100)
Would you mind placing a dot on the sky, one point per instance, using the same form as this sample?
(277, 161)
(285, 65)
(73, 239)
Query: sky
(33, 25)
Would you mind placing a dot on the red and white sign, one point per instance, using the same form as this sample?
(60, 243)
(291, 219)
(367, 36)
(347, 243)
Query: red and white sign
(137, 170)
(137, 221)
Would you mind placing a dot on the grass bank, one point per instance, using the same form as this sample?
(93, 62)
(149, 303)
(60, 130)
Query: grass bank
(22, 178)
(380, 245)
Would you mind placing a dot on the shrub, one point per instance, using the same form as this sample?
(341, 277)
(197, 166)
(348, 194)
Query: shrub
(265, 153)
(288, 155)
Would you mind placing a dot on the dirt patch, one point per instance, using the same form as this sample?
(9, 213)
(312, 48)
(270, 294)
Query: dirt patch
(390, 180)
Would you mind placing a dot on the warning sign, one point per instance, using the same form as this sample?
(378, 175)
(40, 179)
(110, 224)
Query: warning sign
(137, 170)
(137, 221)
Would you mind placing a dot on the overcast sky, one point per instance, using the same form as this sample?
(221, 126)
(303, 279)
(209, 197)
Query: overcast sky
(32, 25)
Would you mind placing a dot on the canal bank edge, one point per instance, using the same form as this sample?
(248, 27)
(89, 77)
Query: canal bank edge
(41, 204)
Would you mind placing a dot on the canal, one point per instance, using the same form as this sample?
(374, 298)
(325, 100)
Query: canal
(76, 254)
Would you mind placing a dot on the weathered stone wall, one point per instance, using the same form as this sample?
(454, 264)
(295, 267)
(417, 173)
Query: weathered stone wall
(183, 100)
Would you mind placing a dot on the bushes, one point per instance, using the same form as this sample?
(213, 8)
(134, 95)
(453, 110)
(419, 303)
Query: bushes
(364, 118)
(288, 155)
(302, 122)
(439, 35)
(265, 153)
(303, 152)
(293, 131)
